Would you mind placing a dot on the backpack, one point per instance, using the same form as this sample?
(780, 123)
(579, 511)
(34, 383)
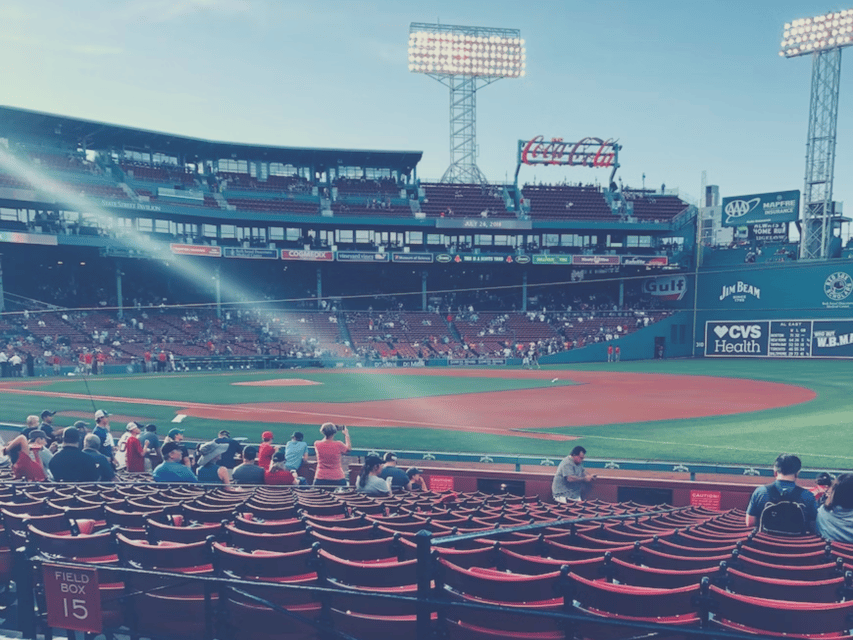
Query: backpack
(783, 515)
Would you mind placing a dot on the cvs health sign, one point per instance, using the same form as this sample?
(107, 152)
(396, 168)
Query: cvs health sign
(738, 338)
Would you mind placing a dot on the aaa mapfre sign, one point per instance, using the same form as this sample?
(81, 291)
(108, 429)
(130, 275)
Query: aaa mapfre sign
(588, 152)
(73, 599)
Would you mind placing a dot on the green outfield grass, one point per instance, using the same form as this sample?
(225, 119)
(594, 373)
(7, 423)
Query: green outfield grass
(819, 430)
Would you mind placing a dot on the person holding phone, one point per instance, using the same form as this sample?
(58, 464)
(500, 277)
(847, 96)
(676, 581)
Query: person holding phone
(330, 470)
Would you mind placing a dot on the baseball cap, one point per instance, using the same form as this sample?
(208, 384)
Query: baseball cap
(169, 447)
(81, 425)
(390, 456)
(278, 456)
(174, 432)
(36, 433)
(71, 435)
(46, 413)
(100, 413)
(267, 435)
(224, 434)
(413, 471)
(132, 426)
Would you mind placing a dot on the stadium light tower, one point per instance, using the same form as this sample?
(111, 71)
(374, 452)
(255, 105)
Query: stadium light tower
(822, 37)
(465, 59)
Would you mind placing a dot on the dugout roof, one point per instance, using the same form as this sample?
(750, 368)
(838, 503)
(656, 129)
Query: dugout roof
(103, 136)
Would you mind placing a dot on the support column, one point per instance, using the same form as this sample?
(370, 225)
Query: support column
(119, 297)
(524, 292)
(319, 286)
(2, 295)
(218, 282)
(621, 293)
(423, 290)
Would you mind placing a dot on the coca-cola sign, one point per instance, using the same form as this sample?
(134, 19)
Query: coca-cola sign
(588, 152)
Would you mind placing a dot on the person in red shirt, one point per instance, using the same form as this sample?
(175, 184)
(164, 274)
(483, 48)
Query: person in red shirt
(330, 471)
(25, 465)
(135, 460)
(101, 360)
(146, 357)
(278, 473)
(266, 450)
(161, 362)
(87, 362)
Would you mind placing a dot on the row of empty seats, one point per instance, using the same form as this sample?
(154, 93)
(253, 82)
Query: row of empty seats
(332, 556)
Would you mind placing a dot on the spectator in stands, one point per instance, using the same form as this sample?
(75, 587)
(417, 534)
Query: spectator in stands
(278, 473)
(835, 516)
(102, 430)
(47, 424)
(330, 471)
(786, 467)
(231, 456)
(26, 461)
(32, 424)
(70, 464)
(209, 470)
(369, 482)
(177, 436)
(571, 481)
(822, 483)
(134, 453)
(151, 447)
(266, 450)
(92, 448)
(416, 479)
(399, 479)
(248, 472)
(296, 452)
(172, 469)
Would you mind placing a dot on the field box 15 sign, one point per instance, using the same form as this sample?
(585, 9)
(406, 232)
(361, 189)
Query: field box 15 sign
(780, 206)
(73, 599)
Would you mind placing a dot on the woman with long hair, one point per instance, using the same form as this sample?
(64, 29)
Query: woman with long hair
(369, 482)
(835, 517)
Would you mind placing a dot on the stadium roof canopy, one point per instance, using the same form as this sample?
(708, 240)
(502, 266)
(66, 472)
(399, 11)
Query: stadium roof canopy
(22, 123)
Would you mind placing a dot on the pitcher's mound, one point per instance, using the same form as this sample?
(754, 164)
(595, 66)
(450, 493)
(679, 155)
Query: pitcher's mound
(279, 382)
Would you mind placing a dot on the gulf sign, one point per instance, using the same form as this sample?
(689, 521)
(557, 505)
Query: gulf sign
(737, 338)
(666, 287)
(760, 208)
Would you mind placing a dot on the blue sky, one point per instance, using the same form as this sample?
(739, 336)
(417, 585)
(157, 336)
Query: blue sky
(685, 86)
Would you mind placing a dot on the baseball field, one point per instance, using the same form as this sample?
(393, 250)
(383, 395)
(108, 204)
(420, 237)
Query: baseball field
(714, 411)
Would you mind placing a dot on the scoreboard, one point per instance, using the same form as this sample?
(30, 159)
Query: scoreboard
(779, 338)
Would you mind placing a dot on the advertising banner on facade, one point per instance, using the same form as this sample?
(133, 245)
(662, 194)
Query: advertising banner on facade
(595, 261)
(361, 256)
(736, 339)
(412, 258)
(307, 255)
(780, 206)
(205, 250)
(250, 253)
(832, 338)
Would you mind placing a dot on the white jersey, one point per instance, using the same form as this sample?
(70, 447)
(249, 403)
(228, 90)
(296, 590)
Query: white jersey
(120, 451)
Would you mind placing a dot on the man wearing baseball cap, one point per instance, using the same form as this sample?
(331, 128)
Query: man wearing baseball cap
(102, 430)
(177, 436)
(47, 424)
(135, 456)
(399, 479)
(171, 469)
(266, 450)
